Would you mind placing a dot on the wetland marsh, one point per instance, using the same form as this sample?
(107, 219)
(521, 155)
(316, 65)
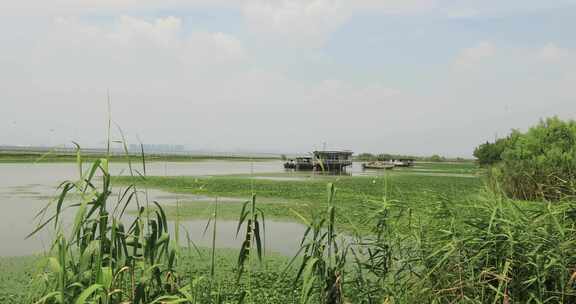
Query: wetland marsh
(406, 229)
(188, 192)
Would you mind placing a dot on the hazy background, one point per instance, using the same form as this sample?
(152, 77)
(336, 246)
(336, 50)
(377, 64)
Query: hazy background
(402, 76)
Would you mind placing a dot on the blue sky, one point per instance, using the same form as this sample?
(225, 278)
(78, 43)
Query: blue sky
(410, 76)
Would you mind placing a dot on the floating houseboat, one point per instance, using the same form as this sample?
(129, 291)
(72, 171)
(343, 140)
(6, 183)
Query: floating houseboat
(322, 161)
(332, 160)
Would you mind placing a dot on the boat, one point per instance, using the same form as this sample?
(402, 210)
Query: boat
(403, 162)
(300, 163)
(325, 161)
(378, 165)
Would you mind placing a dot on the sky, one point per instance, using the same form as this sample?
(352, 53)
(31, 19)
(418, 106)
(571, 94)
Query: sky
(414, 77)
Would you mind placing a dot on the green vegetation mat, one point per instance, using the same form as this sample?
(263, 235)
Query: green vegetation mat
(16, 274)
(356, 196)
(266, 279)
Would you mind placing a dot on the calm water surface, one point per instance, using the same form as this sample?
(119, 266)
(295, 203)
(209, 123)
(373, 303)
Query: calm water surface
(26, 188)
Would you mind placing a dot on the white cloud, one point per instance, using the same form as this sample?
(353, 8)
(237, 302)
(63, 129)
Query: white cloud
(163, 32)
(492, 89)
(551, 52)
(336, 96)
(175, 84)
(154, 68)
(475, 55)
(296, 23)
(140, 39)
(306, 22)
(398, 7)
(228, 44)
(310, 22)
(447, 8)
(172, 86)
(462, 13)
(74, 7)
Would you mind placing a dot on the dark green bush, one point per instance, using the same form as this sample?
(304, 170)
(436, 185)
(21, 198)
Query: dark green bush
(384, 157)
(437, 158)
(491, 153)
(541, 163)
(366, 157)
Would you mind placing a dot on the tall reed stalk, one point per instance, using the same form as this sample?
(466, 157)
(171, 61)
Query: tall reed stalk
(323, 261)
(105, 257)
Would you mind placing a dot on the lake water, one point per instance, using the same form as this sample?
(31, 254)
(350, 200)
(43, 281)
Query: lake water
(26, 188)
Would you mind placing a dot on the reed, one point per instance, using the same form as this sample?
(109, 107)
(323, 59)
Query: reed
(495, 250)
(323, 260)
(105, 258)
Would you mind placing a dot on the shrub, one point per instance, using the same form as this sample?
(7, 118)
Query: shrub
(385, 157)
(437, 158)
(491, 153)
(366, 157)
(541, 163)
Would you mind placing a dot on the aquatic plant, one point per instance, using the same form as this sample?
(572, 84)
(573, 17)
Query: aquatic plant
(103, 257)
(492, 250)
(323, 260)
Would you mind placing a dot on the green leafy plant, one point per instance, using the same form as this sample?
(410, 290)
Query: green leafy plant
(102, 259)
(323, 261)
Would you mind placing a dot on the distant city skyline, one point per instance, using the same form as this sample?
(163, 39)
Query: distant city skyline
(416, 77)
